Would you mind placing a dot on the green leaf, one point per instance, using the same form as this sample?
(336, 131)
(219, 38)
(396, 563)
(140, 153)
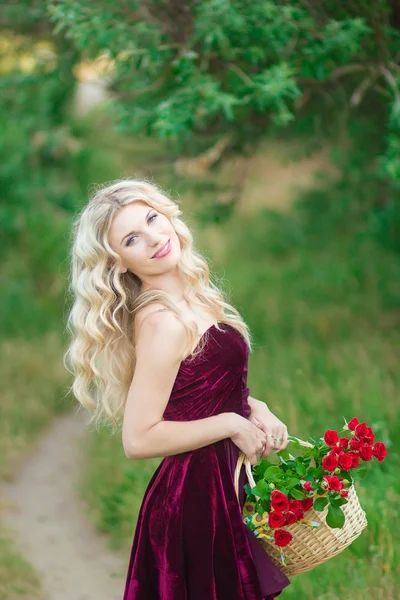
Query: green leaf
(337, 501)
(297, 494)
(359, 473)
(247, 488)
(292, 482)
(320, 503)
(272, 473)
(257, 491)
(335, 517)
(313, 472)
(283, 453)
(301, 469)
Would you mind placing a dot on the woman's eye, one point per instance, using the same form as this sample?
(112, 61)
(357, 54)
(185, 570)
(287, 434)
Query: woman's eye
(150, 220)
(128, 241)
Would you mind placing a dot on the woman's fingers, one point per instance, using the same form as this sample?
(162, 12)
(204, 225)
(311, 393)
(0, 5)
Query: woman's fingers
(283, 434)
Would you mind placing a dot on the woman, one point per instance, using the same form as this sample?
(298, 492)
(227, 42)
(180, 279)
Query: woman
(157, 347)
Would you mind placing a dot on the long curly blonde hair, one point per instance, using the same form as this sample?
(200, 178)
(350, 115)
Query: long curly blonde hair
(101, 354)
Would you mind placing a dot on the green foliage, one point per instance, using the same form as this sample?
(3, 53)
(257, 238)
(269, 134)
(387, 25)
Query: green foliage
(217, 66)
(46, 166)
(192, 73)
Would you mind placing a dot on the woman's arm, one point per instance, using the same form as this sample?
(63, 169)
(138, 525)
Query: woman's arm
(159, 347)
(255, 404)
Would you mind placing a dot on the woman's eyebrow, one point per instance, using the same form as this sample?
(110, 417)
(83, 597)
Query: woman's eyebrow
(130, 233)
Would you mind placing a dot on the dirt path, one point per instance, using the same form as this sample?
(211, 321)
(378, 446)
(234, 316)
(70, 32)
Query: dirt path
(50, 525)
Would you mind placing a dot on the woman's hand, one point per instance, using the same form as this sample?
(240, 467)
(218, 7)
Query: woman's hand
(249, 438)
(263, 418)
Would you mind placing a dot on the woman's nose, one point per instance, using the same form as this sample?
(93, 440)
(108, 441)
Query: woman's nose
(154, 238)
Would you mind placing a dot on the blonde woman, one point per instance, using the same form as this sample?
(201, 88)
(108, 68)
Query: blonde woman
(158, 352)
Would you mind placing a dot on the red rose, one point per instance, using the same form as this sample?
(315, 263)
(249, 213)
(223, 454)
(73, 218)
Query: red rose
(330, 463)
(290, 518)
(282, 537)
(294, 505)
(352, 424)
(355, 444)
(379, 451)
(307, 503)
(356, 459)
(307, 486)
(368, 437)
(344, 493)
(275, 519)
(344, 442)
(279, 500)
(345, 462)
(366, 452)
(335, 485)
(331, 437)
(299, 514)
(336, 450)
(361, 429)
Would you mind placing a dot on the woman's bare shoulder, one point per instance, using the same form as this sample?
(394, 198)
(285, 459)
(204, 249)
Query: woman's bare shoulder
(158, 318)
(159, 331)
(148, 310)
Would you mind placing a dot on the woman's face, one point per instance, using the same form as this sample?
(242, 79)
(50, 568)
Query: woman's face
(137, 233)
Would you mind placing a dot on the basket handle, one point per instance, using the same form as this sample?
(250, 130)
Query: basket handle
(243, 459)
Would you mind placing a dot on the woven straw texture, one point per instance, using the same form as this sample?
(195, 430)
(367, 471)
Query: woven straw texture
(311, 546)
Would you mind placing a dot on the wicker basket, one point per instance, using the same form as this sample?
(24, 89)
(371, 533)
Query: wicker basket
(311, 546)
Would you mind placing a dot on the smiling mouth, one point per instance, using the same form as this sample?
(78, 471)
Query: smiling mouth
(162, 250)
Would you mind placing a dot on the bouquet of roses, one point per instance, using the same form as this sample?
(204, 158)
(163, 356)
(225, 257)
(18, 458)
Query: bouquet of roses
(318, 478)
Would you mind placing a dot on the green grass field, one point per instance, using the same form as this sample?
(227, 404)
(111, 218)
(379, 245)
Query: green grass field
(322, 304)
(322, 310)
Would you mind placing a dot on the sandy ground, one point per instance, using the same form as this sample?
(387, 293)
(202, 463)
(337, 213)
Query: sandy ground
(50, 525)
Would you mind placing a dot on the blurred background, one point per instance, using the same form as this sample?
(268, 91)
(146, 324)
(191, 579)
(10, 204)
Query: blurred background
(276, 125)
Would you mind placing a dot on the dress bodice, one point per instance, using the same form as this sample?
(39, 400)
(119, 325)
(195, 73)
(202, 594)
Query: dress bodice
(215, 380)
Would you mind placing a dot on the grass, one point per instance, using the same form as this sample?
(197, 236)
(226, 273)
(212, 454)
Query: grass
(33, 382)
(17, 578)
(323, 308)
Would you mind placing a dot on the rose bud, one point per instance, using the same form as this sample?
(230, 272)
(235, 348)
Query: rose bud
(336, 450)
(345, 461)
(307, 486)
(275, 519)
(369, 436)
(355, 444)
(355, 458)
(329, 463)
(299, 514)
(361, 429)
(334, 482)
(344, 493)
(352, 424)
(294, 505)
(344, 442)
(379, 451)
(290, 518)
(331, 437)
(271, 486)
(307, 503)
(282, 538)
(366, 452)
(279, 501)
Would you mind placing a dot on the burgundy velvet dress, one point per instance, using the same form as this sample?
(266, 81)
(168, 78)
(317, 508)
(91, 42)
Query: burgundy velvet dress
(190, 542)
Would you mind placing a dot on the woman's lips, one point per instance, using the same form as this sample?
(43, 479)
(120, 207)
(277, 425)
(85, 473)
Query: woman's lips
(164, 250)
